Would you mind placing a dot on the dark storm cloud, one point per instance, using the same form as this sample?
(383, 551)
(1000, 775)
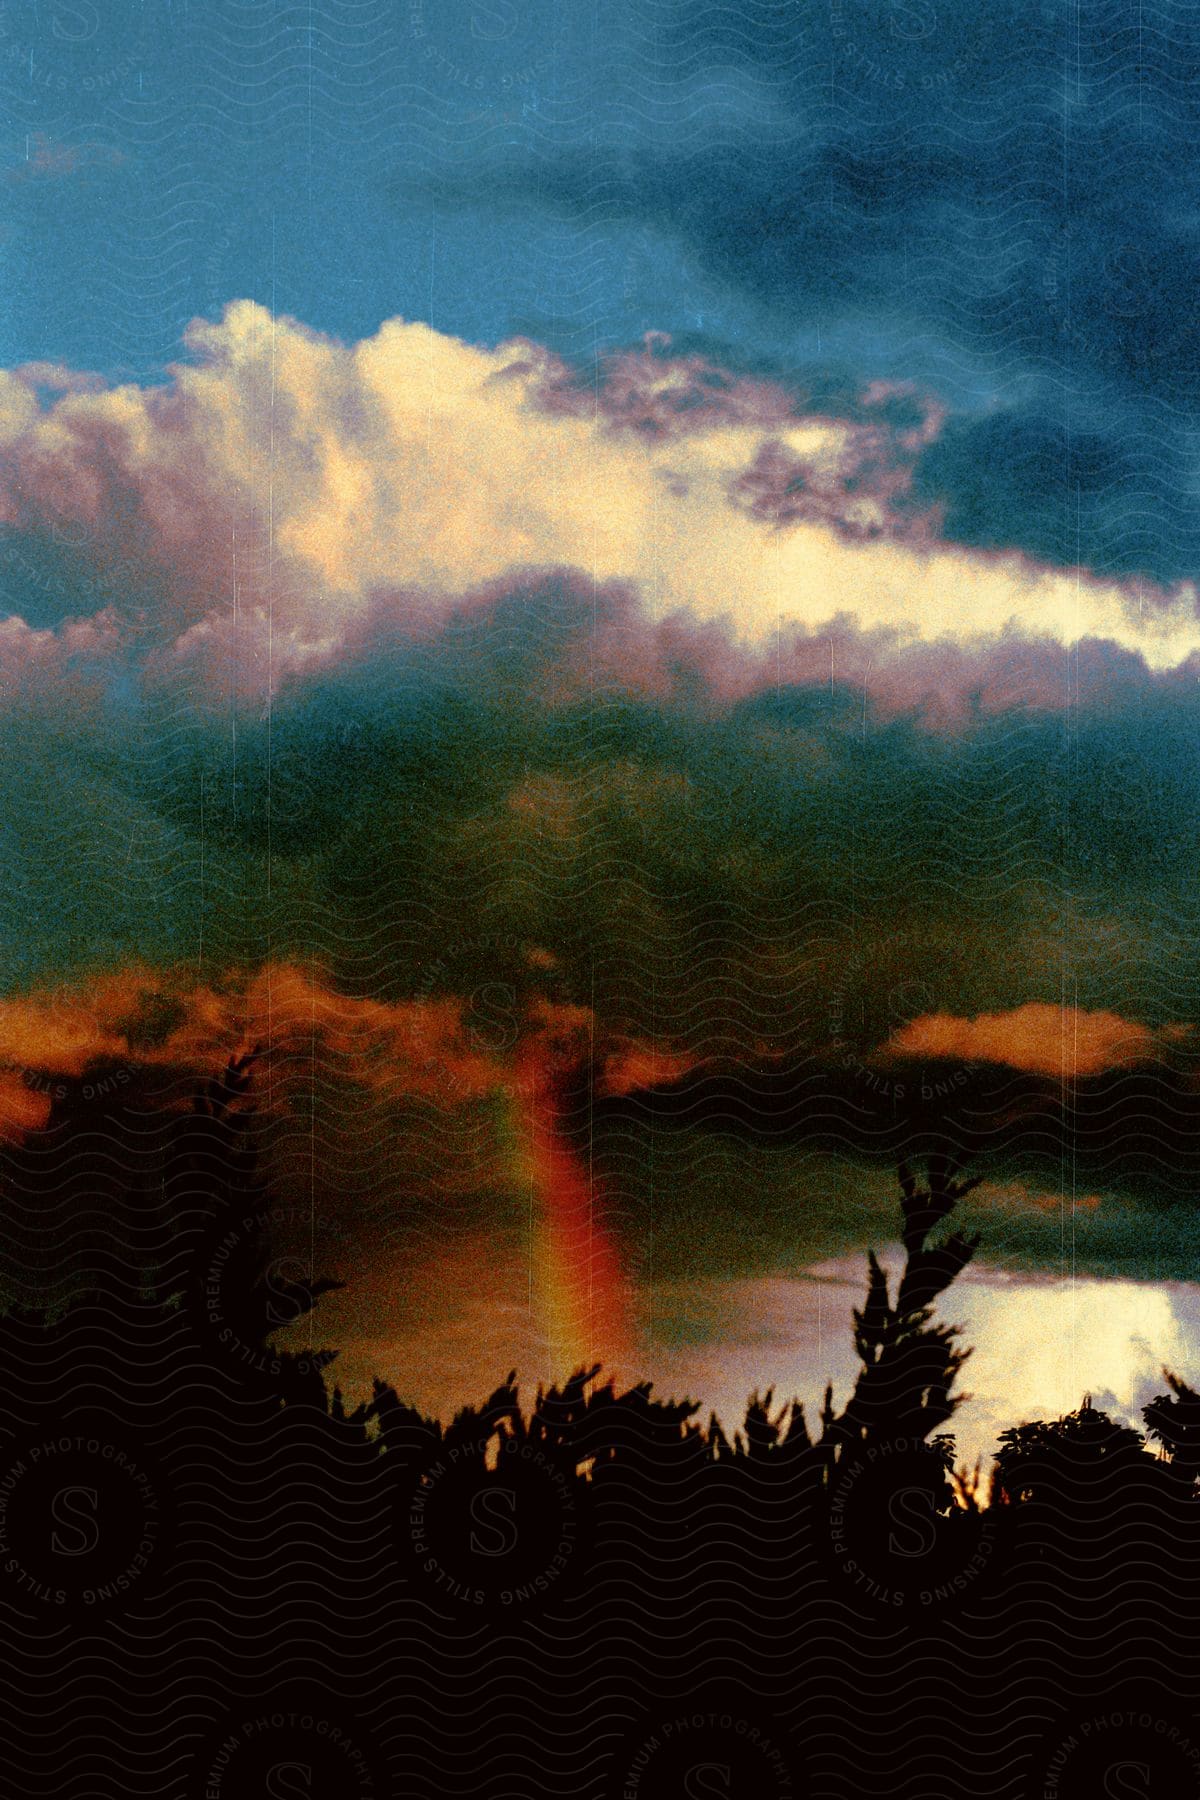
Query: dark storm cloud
(996, 199)
(706, 862)
(541, 804)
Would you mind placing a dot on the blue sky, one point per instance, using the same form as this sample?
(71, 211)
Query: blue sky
(1001, 201)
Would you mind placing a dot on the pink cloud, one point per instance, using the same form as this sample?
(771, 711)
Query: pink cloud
(283, 502)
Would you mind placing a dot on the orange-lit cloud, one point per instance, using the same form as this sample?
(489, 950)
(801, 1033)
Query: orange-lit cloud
(1038, 1038)
(1022, 1196)
(65, 1031)
(633, 1065)
(422, 1048)
(161, 1020)
(22, 1107)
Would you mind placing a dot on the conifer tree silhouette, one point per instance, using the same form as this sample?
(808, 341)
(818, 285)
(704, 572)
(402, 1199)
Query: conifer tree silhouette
(909, 1363)
(214, 1176)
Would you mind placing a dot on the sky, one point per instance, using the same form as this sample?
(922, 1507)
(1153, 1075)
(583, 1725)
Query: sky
(615, 584)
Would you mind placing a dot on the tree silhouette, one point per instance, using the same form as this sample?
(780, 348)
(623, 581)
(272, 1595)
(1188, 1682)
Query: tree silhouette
(1036, 1460)
(214, 1182)
(668, 1520)
(909, 1363)
(1173, 1421)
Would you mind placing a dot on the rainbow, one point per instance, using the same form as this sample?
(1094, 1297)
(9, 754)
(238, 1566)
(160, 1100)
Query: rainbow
(578, 1290)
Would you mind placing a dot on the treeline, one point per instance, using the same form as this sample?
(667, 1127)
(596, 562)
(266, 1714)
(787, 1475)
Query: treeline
(170, 1470)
